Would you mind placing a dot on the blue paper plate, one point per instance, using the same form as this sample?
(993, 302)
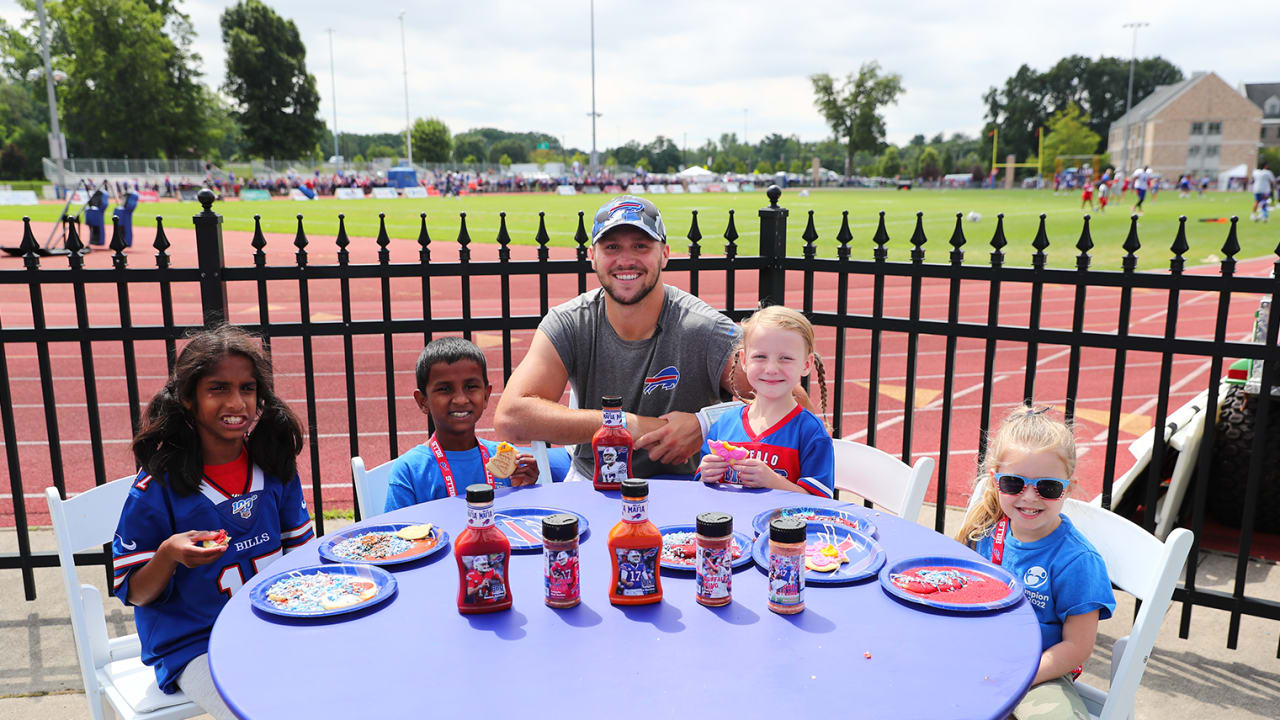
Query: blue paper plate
(864, 553)
(382, 580)
(744, 542)
(523, 525)
(852, 516)
(935, 600)
(417, 550)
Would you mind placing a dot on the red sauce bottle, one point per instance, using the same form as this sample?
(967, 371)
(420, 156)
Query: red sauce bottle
(634, 548)
(611, 446)
(482, 552)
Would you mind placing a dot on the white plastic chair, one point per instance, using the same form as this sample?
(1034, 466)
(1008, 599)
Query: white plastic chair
(539, 448)
(1144, 567)
(883, 479)
(371, 486)
(113, 674)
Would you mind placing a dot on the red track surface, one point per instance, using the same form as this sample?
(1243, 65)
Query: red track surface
(1190, 374)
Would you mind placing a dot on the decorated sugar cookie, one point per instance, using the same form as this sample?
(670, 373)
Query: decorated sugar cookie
(503, 462)
(414, 532)
(825, 556)
(728, 451)
(222, 539)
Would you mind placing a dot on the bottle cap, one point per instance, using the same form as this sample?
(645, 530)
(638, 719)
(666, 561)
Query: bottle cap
(479, 493)
(787, 530)
(561, 526)
(611, 401)
(715, 524)
(635, 488)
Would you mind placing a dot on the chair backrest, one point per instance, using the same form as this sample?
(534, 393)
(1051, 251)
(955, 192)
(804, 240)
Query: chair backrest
(371, 486)
(882, 478)
(1144, 567)
(85, 521)
(539, 448)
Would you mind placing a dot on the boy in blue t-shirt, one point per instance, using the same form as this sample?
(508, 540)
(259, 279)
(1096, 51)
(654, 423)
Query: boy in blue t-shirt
(453, 389)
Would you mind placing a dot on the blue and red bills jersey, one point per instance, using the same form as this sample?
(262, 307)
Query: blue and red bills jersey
(268, 520)
(798, 447)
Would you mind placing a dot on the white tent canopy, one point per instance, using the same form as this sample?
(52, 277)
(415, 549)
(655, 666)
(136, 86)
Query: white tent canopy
(696, 173)
(1224, 177)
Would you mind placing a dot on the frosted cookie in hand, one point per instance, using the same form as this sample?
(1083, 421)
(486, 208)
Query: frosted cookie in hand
(729, 452)
(503, 462)
(222, 538)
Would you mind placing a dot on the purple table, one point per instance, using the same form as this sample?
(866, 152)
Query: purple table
(416, 653)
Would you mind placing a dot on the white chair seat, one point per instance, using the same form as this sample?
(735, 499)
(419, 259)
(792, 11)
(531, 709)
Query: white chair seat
(883, 479)
(135, 683)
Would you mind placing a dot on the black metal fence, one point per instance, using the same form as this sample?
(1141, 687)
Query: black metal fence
(833, 291)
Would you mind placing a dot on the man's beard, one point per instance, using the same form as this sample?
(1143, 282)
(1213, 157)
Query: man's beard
(644, 292)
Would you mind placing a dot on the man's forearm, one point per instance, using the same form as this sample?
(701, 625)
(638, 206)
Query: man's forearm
(534, 418)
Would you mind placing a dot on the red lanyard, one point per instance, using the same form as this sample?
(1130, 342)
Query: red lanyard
(997, 540)
(443, 462)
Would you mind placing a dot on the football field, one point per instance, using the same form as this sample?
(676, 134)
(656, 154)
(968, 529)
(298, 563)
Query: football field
(1021, 208)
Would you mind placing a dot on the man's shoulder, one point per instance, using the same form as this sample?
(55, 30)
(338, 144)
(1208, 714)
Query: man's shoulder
(579, 304)
(691, 308)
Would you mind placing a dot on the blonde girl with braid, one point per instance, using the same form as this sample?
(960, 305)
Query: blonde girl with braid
(1017, 523)
(773, 442)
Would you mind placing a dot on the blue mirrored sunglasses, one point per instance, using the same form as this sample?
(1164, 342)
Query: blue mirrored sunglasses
(1047, 487)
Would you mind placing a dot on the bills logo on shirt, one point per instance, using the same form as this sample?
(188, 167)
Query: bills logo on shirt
(243, 506)
(667, 378)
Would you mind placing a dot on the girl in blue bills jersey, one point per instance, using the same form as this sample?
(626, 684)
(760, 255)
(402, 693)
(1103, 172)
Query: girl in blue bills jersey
(216, 500)
(786, 447)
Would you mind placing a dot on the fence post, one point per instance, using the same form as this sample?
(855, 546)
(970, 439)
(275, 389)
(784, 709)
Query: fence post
(773, 248)
(209, 258)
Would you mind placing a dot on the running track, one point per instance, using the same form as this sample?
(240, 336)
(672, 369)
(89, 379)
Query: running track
(1190, 374)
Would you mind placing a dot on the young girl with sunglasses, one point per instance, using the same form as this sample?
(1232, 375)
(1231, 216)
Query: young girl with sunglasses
(1017, 523)
(787, 446)
(217, 499)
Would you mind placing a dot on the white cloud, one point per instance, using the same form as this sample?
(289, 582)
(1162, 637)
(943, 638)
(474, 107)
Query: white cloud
(690, 69)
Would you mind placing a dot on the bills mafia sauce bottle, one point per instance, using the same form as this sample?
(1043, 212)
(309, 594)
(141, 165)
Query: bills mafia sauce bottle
(611, 446)
(482, 552)
(634, 547)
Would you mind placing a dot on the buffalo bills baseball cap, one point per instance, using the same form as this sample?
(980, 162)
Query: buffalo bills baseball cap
(629, 210)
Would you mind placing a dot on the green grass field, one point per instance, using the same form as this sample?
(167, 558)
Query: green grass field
(1021, 208)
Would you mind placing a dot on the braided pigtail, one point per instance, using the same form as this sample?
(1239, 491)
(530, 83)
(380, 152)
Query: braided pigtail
(822, 381)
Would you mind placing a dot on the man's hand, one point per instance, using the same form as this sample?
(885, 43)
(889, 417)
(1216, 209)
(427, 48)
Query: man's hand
(675, 441)
(526, 471)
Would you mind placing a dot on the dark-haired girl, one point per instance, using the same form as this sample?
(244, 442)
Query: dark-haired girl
(216, 500)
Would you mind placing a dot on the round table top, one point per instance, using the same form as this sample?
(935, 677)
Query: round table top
(854, 650)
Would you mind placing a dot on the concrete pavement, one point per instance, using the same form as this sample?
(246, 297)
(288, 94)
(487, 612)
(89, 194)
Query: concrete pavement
(1195, 678)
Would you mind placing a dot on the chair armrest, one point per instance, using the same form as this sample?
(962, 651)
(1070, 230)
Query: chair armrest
(125, 647)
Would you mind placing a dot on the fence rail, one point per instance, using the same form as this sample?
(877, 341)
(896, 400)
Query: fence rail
(886, 312)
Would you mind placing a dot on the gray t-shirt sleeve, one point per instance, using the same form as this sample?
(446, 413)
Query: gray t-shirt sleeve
(559, 326)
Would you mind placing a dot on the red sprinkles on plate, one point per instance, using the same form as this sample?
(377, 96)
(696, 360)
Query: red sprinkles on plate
(680, 548)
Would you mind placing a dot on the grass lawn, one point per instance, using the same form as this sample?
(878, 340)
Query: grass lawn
(1021, 209)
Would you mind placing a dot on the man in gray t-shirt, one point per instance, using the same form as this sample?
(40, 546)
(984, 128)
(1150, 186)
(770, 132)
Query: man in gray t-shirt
(664, 351)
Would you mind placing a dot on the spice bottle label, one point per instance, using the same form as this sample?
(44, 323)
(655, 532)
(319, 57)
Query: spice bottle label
(562, 575)
(485, 584)
(786, 579)
(714, 575)
(637, 571)
(612, 461)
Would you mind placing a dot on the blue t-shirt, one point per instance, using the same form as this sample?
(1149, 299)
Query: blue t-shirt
(262, 524)
(1063, 575)
(416, 477)
(797, 447)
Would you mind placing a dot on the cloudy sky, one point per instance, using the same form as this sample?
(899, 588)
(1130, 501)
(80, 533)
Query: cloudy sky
(694, 70)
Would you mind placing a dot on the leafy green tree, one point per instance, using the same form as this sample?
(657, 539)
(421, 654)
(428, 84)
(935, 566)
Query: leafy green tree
(764, 168)
(1069, 134)
(853, 109)
(890, 162)
(275, 97)
(469, 145)
(721, 164)
(504, 160)
(381, 151)
(662, 152)
(930, 165)
(740, 167)
(643, 163)
(513, 149)
(628, 154)
(470, 160)
(796, 166)
(23, 131)
(432, 141)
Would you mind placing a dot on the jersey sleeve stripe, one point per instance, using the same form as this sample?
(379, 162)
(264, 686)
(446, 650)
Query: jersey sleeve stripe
(299, 531)
(814, 487)
(126, 561)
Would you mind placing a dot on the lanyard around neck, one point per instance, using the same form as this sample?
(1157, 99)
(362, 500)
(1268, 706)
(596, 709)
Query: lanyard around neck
(447, 472)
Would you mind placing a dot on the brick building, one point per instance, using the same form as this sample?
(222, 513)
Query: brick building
(1201, 126)
(1267, 97)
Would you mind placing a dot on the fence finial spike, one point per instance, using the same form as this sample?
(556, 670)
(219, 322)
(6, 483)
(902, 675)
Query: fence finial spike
(342, 241)
(424, 239)
(504, 238)
(259, 240)
(1180, 246)
(383, 238)
(998, 240)
(464, 237)
(161, 243)
(29, 246)
(1232, 244)
(958, 240)
(581, 237)
(844, 236)
(881, 238)
(1131, 243)
(300, 237)
(117, 236)
(730, 237)
(73, 242)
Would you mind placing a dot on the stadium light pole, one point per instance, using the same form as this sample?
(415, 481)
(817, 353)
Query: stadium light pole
(333, 84)
(57, 145)
(1128, 103)
(594, 114)
(404, 59)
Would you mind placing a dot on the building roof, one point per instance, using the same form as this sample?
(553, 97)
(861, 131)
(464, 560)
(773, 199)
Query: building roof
(1151, 104)
(1259, 93)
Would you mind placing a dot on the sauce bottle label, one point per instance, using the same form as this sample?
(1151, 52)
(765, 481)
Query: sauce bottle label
(637, 571)
(478, 517)
(714, 572)
(562, 575)
(612, 461)
(786, 579)
(635, 511)
(485, 584)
